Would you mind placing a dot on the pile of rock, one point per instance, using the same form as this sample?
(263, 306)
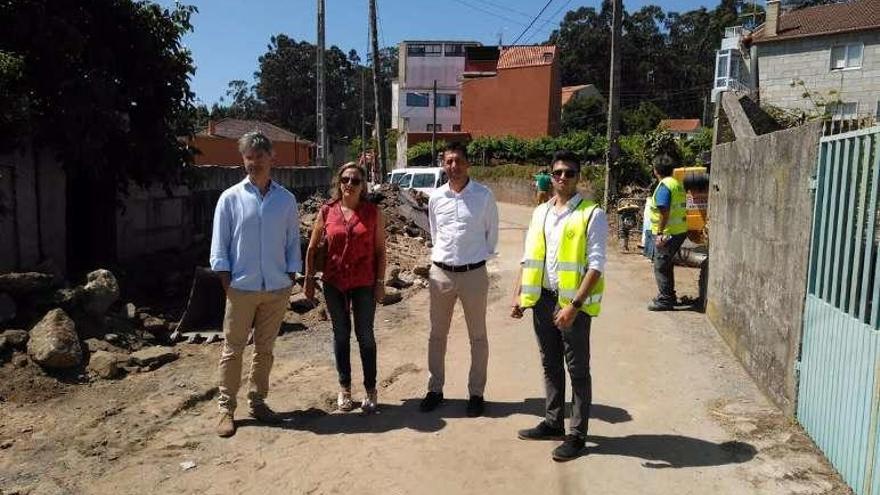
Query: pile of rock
(74, 328)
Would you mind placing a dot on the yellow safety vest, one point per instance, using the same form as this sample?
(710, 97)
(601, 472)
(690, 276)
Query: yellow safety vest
(677, 222)
(571, 259)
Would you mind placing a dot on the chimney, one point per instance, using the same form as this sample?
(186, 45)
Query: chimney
(771, 24)
(211, 127)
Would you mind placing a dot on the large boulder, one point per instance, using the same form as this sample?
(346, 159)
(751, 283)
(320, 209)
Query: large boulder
(153, 357)
(101, 291)
(104, 364)
(7, 308)
(20, 284)
(54, 343)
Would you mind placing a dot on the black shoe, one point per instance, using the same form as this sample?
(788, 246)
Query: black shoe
(475, 406)
(571, 448)
(656, 306)
(431, 401)
(542, 432)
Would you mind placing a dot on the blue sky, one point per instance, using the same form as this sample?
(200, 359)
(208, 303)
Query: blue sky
(230, 35)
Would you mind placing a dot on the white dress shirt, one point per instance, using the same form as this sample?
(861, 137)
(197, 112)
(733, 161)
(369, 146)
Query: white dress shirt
(464, 226)
(597, 237)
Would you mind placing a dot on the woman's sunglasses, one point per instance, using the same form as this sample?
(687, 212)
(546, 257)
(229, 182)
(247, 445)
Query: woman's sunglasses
(350, 180)
(568, 174)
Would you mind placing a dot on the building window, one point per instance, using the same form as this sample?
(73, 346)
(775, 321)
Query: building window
(430, 127)
(417, 99)
(843, 110)
(445, 100)
(424, 50)
(454, 51)
(847, 56)
(457, 127)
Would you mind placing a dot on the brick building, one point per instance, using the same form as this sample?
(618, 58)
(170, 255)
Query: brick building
(218, 144)
(512, 91)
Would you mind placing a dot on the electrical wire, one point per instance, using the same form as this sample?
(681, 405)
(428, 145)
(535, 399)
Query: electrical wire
(532, 23)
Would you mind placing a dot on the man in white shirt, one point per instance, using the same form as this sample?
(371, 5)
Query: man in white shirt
(464, 230)
(562, 281)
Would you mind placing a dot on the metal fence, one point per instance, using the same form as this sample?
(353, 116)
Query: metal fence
(839, 367)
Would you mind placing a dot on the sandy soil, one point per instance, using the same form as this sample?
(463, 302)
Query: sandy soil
(674, 413)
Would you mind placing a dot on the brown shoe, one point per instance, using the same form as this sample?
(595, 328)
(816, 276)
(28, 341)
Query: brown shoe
(262, 413)
(226, 426)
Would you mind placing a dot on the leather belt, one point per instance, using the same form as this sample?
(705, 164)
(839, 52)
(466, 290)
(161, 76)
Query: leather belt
(460, 268)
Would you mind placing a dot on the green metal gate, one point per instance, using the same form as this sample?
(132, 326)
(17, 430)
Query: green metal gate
(839, 368)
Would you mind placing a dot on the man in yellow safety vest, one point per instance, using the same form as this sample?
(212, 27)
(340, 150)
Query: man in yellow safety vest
(561, 280)
(668, 209)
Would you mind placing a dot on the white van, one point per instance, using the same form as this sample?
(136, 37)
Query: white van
(423, 179)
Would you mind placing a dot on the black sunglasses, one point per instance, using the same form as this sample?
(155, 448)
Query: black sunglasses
(350, 180)
(569, 174)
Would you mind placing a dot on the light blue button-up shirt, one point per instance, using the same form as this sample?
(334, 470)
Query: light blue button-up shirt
(256, 237)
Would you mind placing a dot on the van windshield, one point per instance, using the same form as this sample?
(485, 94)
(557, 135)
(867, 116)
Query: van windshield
(424, 180)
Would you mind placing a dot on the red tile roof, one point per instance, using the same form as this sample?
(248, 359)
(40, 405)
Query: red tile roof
(526, 56)
(857, 15)
(235, 128)
(680, 125)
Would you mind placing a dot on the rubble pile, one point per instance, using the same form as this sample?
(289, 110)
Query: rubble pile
(83, 331)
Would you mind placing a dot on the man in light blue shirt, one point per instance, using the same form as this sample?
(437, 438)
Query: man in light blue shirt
(255, 249)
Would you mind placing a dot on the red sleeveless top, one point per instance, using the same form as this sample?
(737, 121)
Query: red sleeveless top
(351, 246)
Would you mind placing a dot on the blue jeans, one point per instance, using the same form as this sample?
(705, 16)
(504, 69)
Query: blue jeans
(360, 301)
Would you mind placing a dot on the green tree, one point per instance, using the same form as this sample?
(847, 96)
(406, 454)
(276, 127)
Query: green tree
(584, 114)
(641, 119)
(103, 85)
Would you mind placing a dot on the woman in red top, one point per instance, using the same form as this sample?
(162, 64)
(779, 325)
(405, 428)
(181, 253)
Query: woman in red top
(353, 276)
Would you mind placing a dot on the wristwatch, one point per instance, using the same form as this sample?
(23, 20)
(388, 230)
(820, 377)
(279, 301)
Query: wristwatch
(577, 303)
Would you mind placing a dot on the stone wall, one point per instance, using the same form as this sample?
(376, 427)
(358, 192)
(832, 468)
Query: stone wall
(32, 211)
(760, 214)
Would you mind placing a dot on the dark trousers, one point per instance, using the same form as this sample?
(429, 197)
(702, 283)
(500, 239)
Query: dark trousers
(573, 346)
(663, 269)
(360, 301)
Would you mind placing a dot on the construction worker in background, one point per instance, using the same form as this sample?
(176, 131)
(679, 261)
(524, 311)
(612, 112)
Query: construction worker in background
(668, 208)
(561, 280)
(542, 186)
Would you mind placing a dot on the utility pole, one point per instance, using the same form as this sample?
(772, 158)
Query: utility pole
(380, 131)
(613, 107)
(434, 129)
(321, 110)
(364, 119)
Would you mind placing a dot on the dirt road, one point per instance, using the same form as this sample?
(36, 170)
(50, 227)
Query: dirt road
(673, 413)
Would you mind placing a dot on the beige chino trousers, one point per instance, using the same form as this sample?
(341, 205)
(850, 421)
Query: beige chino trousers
(472, 289)
(263, 311)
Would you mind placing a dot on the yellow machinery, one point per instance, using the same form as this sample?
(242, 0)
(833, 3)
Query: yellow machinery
(696, 184)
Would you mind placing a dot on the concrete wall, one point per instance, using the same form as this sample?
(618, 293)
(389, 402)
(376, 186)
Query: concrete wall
(523, 102)
(760, 213)
(152, 220)
(516, 191)
(809, 59)
(32, 211)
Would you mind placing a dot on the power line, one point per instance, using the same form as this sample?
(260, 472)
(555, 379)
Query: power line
(493, 14)
(506, 8)
(548, 21)
(532, 23)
